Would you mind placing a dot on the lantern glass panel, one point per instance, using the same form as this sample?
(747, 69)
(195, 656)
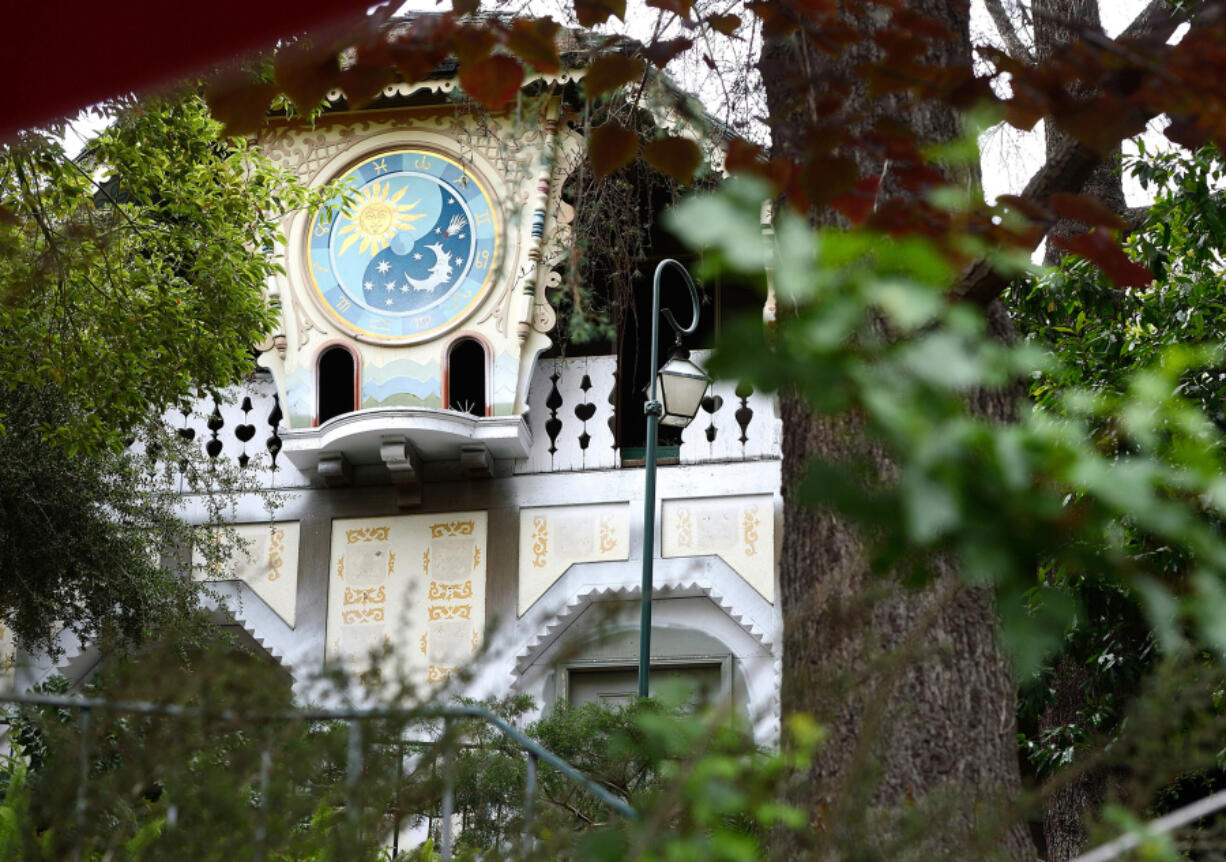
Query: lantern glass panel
(682, 387)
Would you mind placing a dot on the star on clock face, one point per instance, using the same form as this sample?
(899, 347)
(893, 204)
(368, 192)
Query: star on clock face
(368, 285)
(383, 267)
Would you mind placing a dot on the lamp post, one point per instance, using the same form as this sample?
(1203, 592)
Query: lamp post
(681, 385)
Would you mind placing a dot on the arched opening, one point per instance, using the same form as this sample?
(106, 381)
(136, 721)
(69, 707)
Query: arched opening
(466, 367)
(338, 383)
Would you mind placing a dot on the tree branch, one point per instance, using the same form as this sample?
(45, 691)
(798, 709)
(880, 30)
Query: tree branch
(1014, 45)
(1147, 21)
(1066, 170)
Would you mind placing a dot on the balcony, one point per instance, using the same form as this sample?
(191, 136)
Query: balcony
(569, 426)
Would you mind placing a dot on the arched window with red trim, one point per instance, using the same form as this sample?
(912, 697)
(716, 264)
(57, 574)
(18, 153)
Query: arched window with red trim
(337, 377)
(467, 389)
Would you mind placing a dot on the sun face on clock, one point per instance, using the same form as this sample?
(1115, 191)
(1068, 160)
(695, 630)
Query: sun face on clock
(376, 217)
(411, 253)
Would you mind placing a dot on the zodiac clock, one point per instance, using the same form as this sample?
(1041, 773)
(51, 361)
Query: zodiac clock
(410, 249)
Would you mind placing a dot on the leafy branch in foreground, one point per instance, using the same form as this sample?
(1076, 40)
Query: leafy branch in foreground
(133, 274)
(1086, 487)
(873, 334)
(131, 279)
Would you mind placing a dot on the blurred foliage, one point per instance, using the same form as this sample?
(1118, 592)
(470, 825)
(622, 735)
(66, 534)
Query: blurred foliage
(251, 775)
(704, 789)
(872, 332)
(1103, 335)
(1094, 516)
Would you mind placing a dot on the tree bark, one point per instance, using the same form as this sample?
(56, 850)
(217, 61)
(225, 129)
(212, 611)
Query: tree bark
(1064, 830)
(916, 695)
(1058, 23)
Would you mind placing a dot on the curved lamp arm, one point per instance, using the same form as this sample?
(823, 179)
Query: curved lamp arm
(656, 311)
(689, 282)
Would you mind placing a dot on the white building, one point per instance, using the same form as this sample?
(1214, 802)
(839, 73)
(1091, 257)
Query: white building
(452, 488)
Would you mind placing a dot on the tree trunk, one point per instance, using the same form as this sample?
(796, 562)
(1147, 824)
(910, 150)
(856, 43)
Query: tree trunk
(1064, 831)
(1056, 25)
(916, 695)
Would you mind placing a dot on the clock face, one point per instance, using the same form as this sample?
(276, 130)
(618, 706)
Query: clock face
(411, 253)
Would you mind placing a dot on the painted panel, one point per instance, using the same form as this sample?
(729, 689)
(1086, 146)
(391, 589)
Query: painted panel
(553, 538)
(263, 556)
(739, 530)
(402, 382)
(412, 584)
(506, 383)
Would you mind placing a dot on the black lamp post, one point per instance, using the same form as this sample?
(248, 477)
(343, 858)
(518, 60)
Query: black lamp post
(681, 385)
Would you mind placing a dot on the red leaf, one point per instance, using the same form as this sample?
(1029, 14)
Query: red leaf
(464, 7)
(1086, 209)
(493, 81)
(706, 58)
(363, 83)
(661, 53)
(826, 177)
(1099, 248)
(1187, 132)
(679, 158)
(1101, 123)
(534, 42)
(593, 12)
(472, 43)
(919, 24)
(776, 20)
(610, 71)
(857, 202)
(725, 24)
(814, 8)
(611, 146)
(1022, 115)
(742, 156)
(306, 74)
(239, 103)
(417, 50)
(680, 8)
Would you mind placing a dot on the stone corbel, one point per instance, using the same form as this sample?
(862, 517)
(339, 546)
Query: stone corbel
(402, 461)
(334, 469)
(476, 461)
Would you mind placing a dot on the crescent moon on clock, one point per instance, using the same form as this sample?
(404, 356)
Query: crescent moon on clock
(439, 272)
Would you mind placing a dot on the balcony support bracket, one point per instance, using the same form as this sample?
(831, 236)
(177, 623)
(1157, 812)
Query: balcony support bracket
(476, 461)
(404, 464)
(334, 468)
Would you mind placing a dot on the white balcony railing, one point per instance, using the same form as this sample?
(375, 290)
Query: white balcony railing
(570, 416)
